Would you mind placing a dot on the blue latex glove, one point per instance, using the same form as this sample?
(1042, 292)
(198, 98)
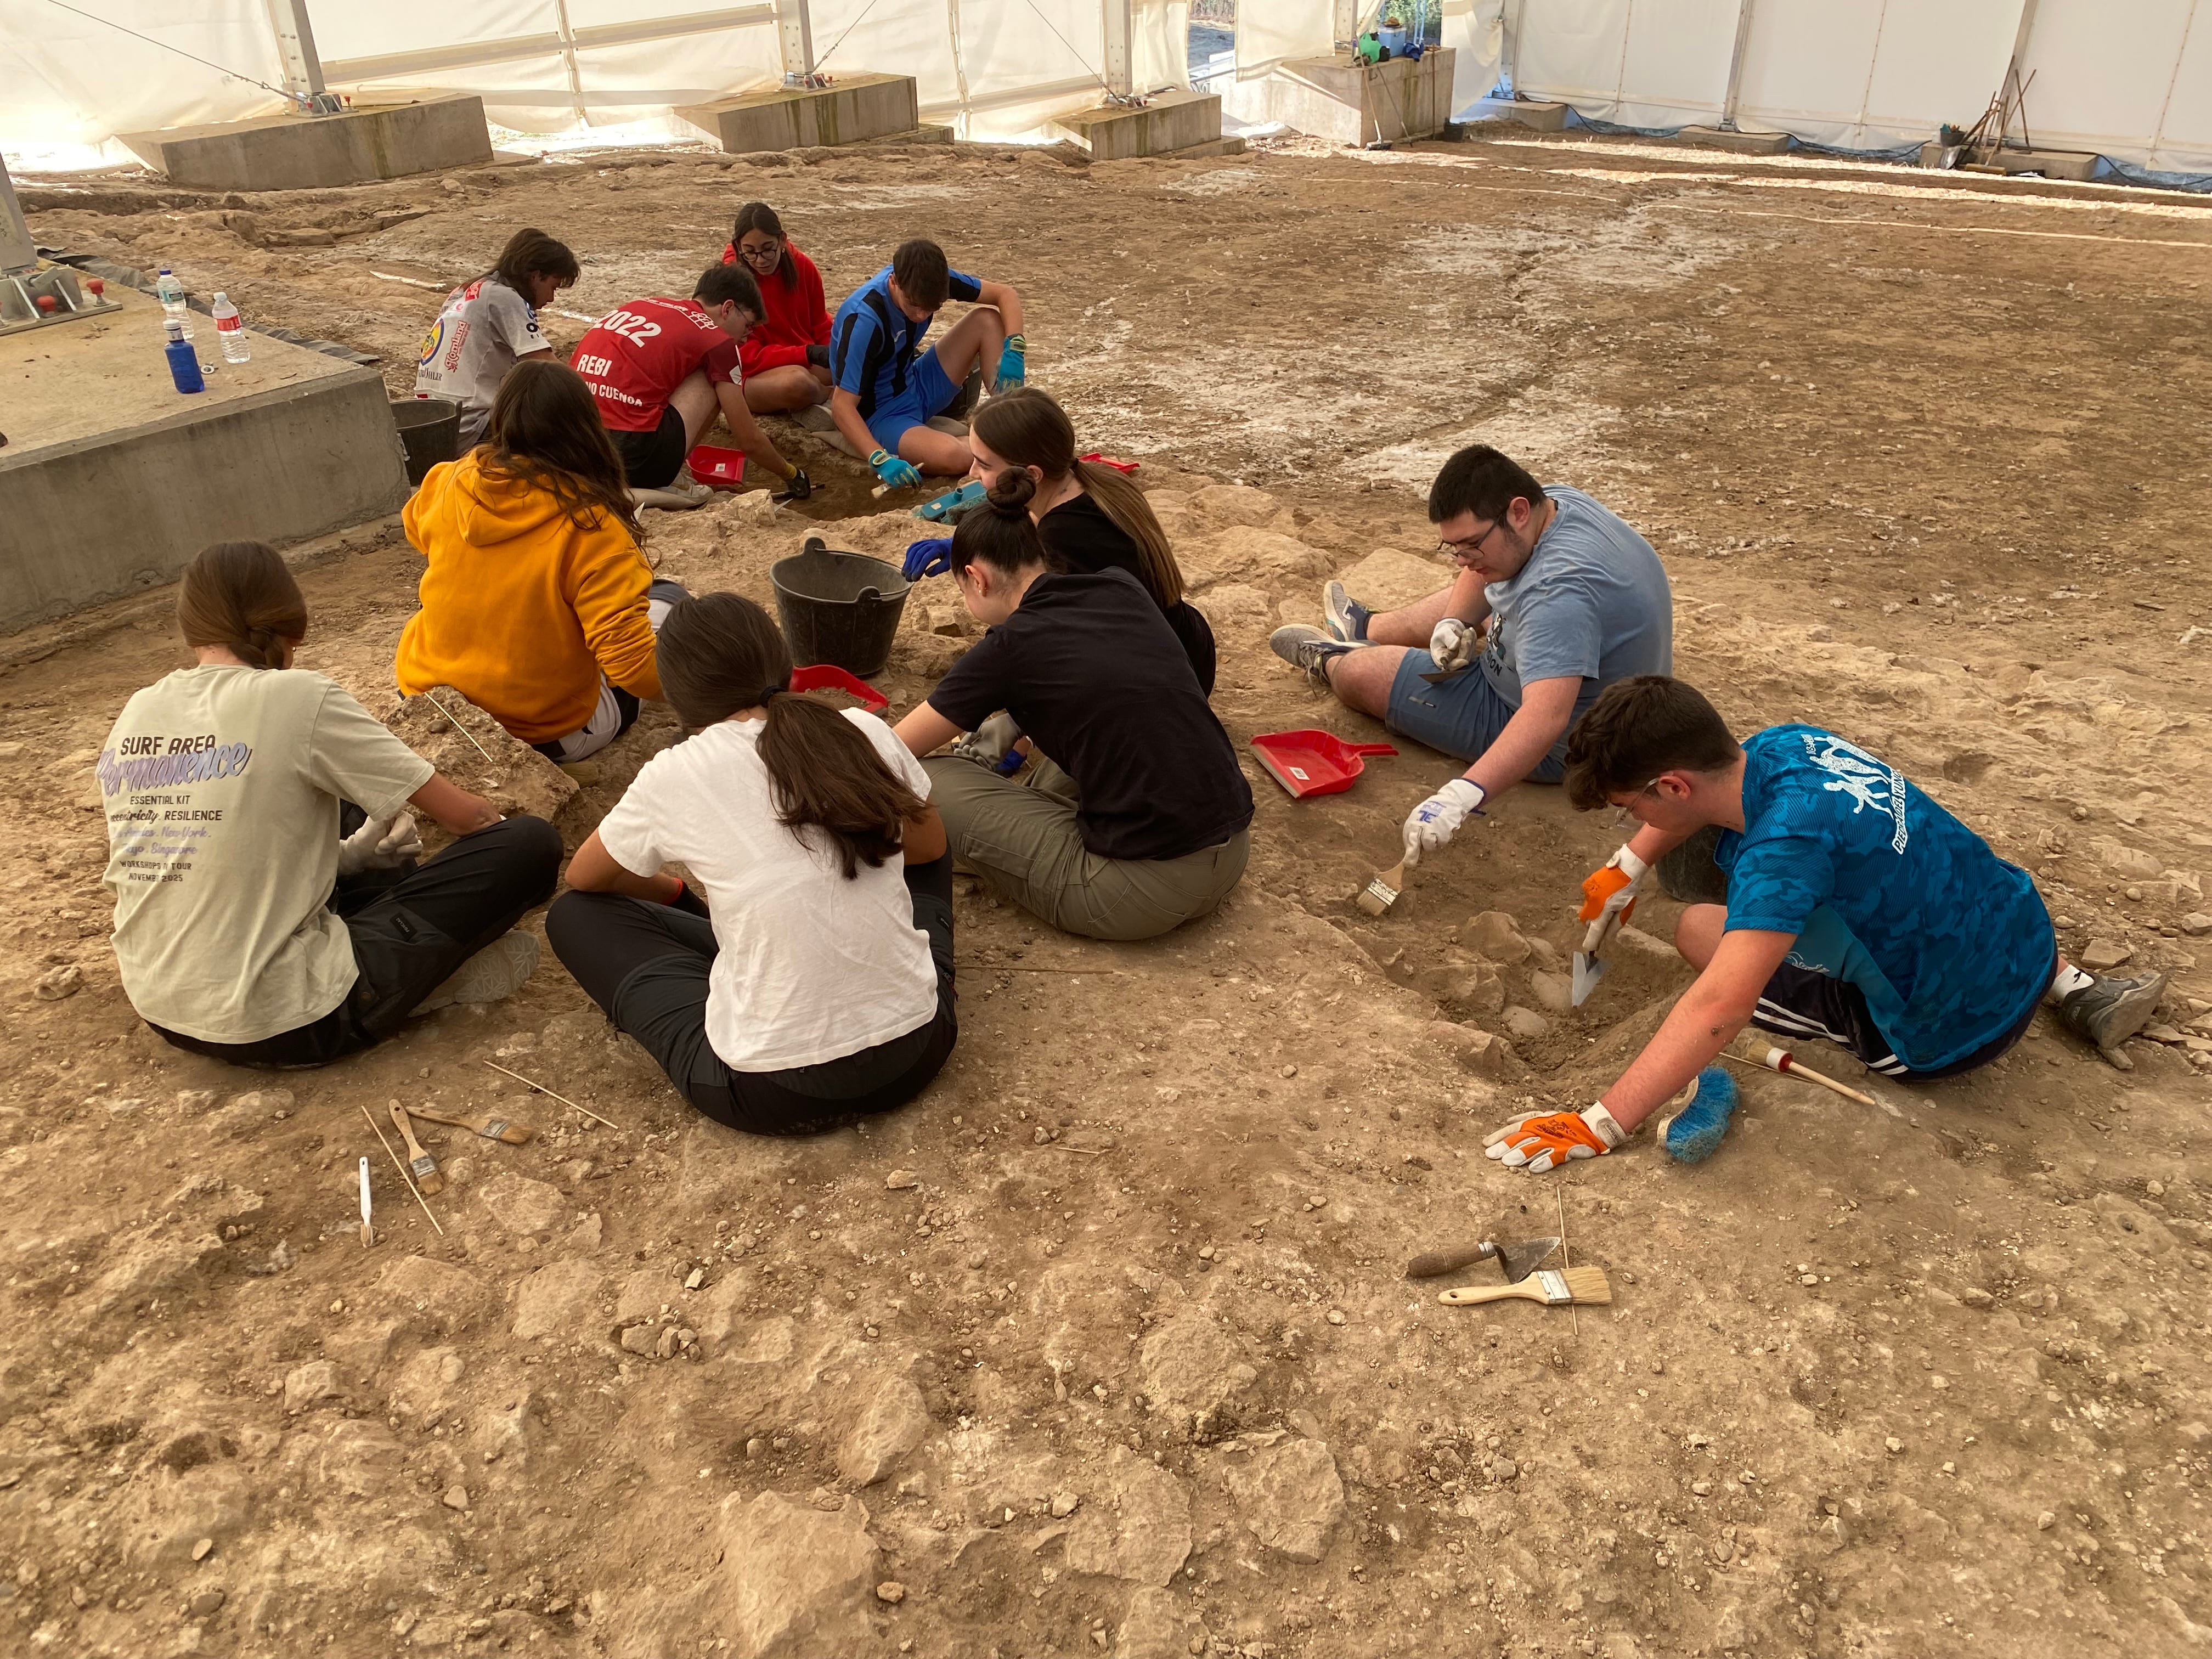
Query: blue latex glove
(896, 474)
(932, 558)
(1013, 365)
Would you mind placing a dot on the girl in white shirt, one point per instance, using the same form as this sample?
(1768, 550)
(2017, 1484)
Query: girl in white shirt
(814, 986)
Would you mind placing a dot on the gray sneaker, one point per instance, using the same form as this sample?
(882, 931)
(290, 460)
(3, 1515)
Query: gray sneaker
(1344, 617)
(493, 974)
(2106, 1012)
(1305, 646)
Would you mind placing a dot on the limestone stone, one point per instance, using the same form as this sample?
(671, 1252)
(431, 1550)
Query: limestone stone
(1190, 1364)
(558, 1300)
(2123, 859)
(1218, 505)
(1234, 607)
(2105, 953)
(1242, 554)
(1496, 935)
(1291, 1497)
(1526, 1023)
(522, 1205)
(1484, 1053)
(892, 1423)
(304, 1384)
(1555, 991)
(1387, 579)
(446, 1296)
(1155, 1627)
(789, 1580)
(1134, 1525)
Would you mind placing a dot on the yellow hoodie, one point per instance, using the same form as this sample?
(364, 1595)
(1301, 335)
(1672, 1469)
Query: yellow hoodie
(522, 611)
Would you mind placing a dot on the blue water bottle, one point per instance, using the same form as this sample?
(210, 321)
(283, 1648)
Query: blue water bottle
(184, 365)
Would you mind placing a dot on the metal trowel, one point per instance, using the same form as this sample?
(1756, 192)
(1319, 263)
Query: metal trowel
(1519, 1260)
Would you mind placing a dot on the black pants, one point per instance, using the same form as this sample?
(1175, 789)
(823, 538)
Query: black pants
(651, 459)
(647, 966)
(411, 928)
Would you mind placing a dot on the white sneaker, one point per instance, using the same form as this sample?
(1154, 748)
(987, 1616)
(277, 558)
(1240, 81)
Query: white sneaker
(494, 974)
(678, 497)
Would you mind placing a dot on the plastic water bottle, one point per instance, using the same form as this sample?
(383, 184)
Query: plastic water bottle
(184, 362)
(171, 293)
(230, 329)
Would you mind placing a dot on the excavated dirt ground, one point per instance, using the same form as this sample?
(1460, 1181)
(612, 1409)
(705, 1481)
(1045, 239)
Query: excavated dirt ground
(1102, 1345)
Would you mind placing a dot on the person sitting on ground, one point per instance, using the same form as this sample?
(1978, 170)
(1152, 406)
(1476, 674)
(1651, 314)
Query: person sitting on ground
(490, 325)
(814, 985)
(268, 907)
(887, 388)
(1573, 599)
(1138, 819)
(787, 358)
(1090, 517)
(1857, 910)
(661, 369)
(536, 606)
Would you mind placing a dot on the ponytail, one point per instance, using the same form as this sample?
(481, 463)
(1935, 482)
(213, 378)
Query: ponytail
(998, 531)
(239, 595)
(720, 652)
(1028, 428)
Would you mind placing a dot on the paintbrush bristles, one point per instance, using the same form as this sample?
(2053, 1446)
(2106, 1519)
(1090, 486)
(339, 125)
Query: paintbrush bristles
(1587, 1283)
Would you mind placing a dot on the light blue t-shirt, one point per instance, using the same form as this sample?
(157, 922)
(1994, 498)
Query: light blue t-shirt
(1592, 600)
(1949, 944)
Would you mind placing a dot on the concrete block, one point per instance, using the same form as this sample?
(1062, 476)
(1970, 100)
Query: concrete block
(1523, 112)
(2079, 166)
(1743, 143)
(784, 118)
(298, 152)
(1175, 120)
(112, 480)
(1352, 103)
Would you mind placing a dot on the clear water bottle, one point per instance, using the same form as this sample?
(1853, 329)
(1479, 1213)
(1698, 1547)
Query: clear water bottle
(229, 328)
(171, 293)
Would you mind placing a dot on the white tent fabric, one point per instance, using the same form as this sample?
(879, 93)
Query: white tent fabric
(1160, 44)
(2158, 111)
(69, 80)
(1271, 32)
(1872, 73)
(1475, 30)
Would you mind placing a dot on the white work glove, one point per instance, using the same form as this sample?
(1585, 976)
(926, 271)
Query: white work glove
(380, 844)
(990, 744)
(1453, 643)
(1544, 1141)
(1609, 897)
(1432, 825)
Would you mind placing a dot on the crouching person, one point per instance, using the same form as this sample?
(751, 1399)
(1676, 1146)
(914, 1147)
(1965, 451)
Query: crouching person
(1138, 818)
(808, 982)
(249, 925)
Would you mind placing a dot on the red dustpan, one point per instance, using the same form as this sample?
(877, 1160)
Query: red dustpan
(828, 677)
(1313, 762)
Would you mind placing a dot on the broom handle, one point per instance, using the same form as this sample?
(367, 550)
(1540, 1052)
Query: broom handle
(1790, 1065)
(1467, 1295)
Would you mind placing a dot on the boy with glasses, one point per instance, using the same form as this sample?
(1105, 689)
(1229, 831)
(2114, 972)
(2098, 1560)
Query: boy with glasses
(1557, 598)
(1856, 910)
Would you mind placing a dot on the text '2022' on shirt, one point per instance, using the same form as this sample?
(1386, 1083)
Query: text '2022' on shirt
(1090, 669)
(639, 352)
(1950, 945)
(222, 786)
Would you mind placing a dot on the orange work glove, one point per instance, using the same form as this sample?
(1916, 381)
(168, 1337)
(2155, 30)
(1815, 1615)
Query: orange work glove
(1609, 896)
(1545, 1142)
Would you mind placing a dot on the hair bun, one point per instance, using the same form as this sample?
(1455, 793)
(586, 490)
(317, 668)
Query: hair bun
(1012, 492)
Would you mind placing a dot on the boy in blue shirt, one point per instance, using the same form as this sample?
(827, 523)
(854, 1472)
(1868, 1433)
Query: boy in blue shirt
(1858, 910)
(887, 387)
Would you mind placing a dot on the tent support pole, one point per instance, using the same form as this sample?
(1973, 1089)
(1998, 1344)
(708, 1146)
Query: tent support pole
(295, 50)
(795, 27)
(1735, 65)
(1117, 42)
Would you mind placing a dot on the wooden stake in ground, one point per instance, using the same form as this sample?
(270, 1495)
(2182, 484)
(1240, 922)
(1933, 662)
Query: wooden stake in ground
(563, 1099)
(398, 1165)
(1566, 1261)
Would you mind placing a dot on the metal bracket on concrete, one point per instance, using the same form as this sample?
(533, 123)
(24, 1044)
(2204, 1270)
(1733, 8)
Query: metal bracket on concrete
(303, 67)
(794, 26)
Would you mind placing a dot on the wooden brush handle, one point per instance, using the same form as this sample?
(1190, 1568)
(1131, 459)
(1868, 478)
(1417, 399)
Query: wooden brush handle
(429, 1116)
(1468, 1296)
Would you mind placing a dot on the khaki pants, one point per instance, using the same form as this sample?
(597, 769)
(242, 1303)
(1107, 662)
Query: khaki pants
(1022, 838)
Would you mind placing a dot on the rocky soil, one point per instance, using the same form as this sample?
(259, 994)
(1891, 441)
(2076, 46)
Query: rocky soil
(1102, 1346)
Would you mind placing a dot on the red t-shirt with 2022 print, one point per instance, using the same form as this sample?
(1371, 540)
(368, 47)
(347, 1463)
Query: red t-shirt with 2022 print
(642, 350)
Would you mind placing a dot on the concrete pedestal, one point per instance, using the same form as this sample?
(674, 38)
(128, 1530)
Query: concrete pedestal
(1352, 103)
(112, 480)
(1523, 111)
(1743, 143)
(2079, 166)
(320, 152)
(1177, 119)
(858, 107)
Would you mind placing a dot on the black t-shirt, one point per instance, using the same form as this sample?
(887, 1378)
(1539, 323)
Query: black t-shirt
(1079, 535)
(1088, 668)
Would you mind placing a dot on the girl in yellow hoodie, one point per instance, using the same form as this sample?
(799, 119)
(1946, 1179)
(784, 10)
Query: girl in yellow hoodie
(538, 605)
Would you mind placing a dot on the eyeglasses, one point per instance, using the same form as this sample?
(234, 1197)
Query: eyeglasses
(767, 255)
(1626, 815)
(1472, 545)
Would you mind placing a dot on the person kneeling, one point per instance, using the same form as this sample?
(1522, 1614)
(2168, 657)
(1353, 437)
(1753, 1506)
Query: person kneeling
(1137, 821)
(813, 986)
(537, 606)
(1858, 910)
(245, 927)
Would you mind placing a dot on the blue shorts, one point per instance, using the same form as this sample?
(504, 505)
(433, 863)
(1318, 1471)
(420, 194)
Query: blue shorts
(1461, 717)
(929, 391)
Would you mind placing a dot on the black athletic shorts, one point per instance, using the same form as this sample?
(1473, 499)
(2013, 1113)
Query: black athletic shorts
(652, 459)
(1798, 1002)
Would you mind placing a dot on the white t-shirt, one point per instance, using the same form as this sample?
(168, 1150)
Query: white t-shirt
(484, 327)
(222, 786)
(811, 967)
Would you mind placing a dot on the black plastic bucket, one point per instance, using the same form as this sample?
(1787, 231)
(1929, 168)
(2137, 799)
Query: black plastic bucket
(841, 608)
(430, 431)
